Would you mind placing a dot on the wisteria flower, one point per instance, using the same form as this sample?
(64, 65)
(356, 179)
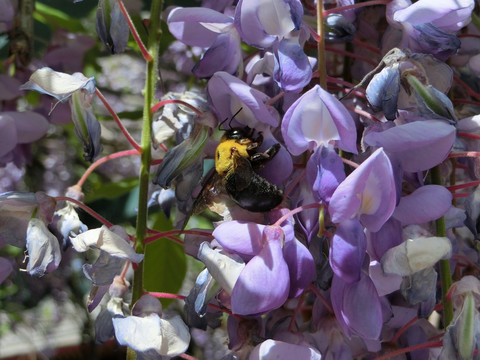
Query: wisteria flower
(57, 84)
(43, 249)
(260, 23)
(415, 254)
(6, 269)
(227, 95)
(316, 119)
(149, 333)
(16, 211)
(19, 128)
(114, 241)
(283, 350)
(325, 172)
(347, 250)
(418, 145)
(278, 266)
(430, 29)
(366, 193)
(357, 307)
(209, 29)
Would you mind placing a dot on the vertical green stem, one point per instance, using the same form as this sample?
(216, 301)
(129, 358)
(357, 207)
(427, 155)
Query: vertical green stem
(445, 274)
(322, 68)
(144, 176)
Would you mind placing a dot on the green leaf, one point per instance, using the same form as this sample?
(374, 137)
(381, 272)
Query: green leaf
(56, 18)
(165, 264)
(111, 190)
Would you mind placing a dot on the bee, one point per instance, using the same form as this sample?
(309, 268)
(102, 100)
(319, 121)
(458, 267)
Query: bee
(236, 161)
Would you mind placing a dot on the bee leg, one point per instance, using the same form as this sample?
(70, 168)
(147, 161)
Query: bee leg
(258, 159)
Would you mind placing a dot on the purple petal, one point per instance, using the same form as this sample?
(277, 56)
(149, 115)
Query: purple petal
(147, 305)
(357, 307)
(428, 39)
(9, 87)
(292, 68)
(7, 11)
(30, 126)
(390, 235)
(243, 238)
(301, 267)
(6, 269)
(223, 55)
(449, 15)
(227, 94)
(315, 119)
(264, 284)
(8, 134)
(347, 250)
(366, 193)
(261, 22)
(189, 25)
(104, 270)
(419, 145)
(16, 210)
(325, 172)
(425, 204)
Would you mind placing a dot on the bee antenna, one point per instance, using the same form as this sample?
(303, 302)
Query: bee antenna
(230, 122)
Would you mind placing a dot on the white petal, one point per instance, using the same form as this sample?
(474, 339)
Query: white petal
(223, 267)
(416, 254)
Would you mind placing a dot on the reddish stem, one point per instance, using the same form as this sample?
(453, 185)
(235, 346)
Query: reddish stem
(162, 103)
(465, 154)
(86, 209)
(468, 135)
(187, 357)
(468, 89)
(350, 162)
(104, 160)
(169, 234)
(162, 295)
(117, 120)
(322, 299)
(133, 30)
(296, 311)
(404, 328)
(352, 55)
(463, 186)
(460, 195)
(367, 46)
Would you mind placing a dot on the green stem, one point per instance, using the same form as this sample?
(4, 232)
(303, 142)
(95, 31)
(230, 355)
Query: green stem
(322, 68)
(445, 273)
(144, 176)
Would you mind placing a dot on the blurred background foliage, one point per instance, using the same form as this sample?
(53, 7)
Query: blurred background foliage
(56, 162)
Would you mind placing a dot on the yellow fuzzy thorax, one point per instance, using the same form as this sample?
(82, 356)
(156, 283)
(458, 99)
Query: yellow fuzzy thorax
(224, 155)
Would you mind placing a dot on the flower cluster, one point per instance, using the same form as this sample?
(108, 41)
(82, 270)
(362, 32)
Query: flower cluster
(339, 234)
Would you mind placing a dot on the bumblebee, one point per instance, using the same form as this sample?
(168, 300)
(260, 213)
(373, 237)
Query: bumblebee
(236, 160)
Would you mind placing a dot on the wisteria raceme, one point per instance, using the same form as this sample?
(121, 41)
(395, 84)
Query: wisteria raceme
(362, 125)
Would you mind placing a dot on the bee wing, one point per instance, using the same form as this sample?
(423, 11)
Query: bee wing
(213, 186)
